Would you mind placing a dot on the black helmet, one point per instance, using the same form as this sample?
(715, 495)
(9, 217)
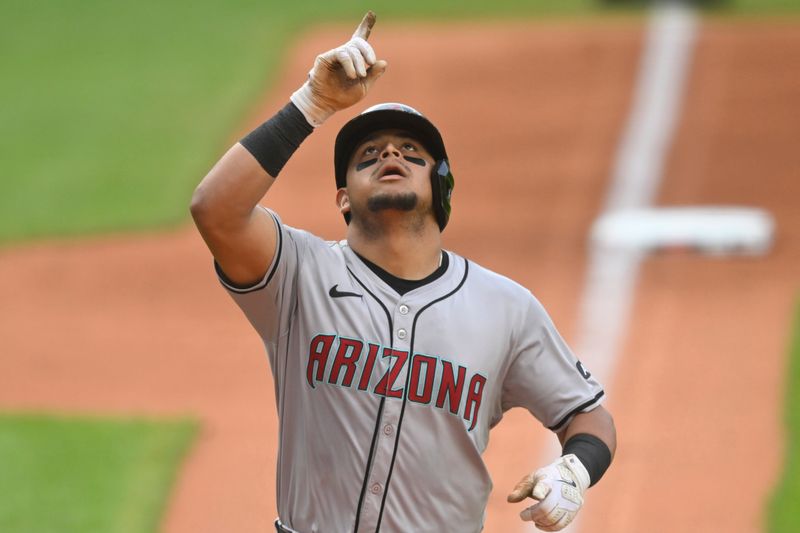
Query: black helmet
(403, 117)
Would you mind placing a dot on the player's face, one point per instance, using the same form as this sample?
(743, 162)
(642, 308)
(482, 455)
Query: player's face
(389, 171)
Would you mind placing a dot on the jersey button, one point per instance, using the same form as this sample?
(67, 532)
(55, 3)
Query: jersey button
(401, 333)
(403, 309)
(388, 429)
(375, 488)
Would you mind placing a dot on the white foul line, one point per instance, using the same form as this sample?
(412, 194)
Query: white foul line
(611, 275)
(639, 164)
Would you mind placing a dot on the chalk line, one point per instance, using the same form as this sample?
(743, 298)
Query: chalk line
(611, 275)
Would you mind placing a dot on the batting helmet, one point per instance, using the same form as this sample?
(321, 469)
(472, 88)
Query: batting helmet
(402, 117)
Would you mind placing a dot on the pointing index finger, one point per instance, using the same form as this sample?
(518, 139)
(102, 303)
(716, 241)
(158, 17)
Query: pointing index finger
(365, 28)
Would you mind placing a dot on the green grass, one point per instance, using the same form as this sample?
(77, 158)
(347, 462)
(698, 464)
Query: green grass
(113, 110)
(65, 475)
(765, 6)
(783, 515)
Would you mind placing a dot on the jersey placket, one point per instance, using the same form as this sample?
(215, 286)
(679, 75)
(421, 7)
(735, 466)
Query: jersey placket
(386, 440)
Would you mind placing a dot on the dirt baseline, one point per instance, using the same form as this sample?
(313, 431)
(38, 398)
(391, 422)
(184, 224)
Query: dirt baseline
(139, 325)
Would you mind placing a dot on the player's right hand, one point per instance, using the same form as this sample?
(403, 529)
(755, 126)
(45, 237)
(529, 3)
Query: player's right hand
(340, 77)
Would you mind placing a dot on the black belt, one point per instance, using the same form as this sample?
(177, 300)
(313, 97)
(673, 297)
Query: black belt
(280, 528)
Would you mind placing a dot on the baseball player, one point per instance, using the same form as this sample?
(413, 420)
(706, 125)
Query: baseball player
(392, 358)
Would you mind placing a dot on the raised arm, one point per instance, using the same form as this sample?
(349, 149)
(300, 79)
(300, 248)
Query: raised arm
(242, 237)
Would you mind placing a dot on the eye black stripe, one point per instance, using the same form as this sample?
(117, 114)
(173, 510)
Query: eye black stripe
(365, 164)
(416, 160)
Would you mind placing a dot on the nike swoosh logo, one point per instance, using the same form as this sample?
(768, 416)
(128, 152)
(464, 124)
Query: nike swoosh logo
(336, 293)
(565, 482)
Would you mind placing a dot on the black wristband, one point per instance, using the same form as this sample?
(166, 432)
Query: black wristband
(274, 142)
(593, 453)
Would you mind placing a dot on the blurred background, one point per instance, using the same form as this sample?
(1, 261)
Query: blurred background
(135, 397)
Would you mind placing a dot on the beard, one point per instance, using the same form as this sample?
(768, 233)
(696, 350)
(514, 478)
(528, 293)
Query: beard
(402, 202)
(367, 217)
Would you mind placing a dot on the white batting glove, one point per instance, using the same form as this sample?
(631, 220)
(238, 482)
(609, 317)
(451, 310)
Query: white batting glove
(559, 487)
(340, 77)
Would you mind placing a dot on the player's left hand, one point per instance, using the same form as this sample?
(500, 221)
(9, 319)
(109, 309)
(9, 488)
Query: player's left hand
(559, 487)
(340, 77)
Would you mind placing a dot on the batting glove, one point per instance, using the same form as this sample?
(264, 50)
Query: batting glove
(340, 77)
(559, 487)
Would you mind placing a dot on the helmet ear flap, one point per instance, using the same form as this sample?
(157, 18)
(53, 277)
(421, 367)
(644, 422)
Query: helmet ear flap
(442, 184)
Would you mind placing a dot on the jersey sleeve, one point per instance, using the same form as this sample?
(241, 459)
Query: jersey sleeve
(545, 377)
(268, 304)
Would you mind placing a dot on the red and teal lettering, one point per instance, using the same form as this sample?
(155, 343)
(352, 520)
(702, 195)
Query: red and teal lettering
(366, 372)
(386, 384)
(450, 388)
(346, 356)
(318, 356)
(427, 364)
(474, 396)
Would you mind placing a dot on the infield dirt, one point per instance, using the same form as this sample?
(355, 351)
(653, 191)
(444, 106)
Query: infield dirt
(531, 114)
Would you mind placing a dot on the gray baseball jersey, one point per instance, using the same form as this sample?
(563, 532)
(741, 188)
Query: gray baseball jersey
(386, 401)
